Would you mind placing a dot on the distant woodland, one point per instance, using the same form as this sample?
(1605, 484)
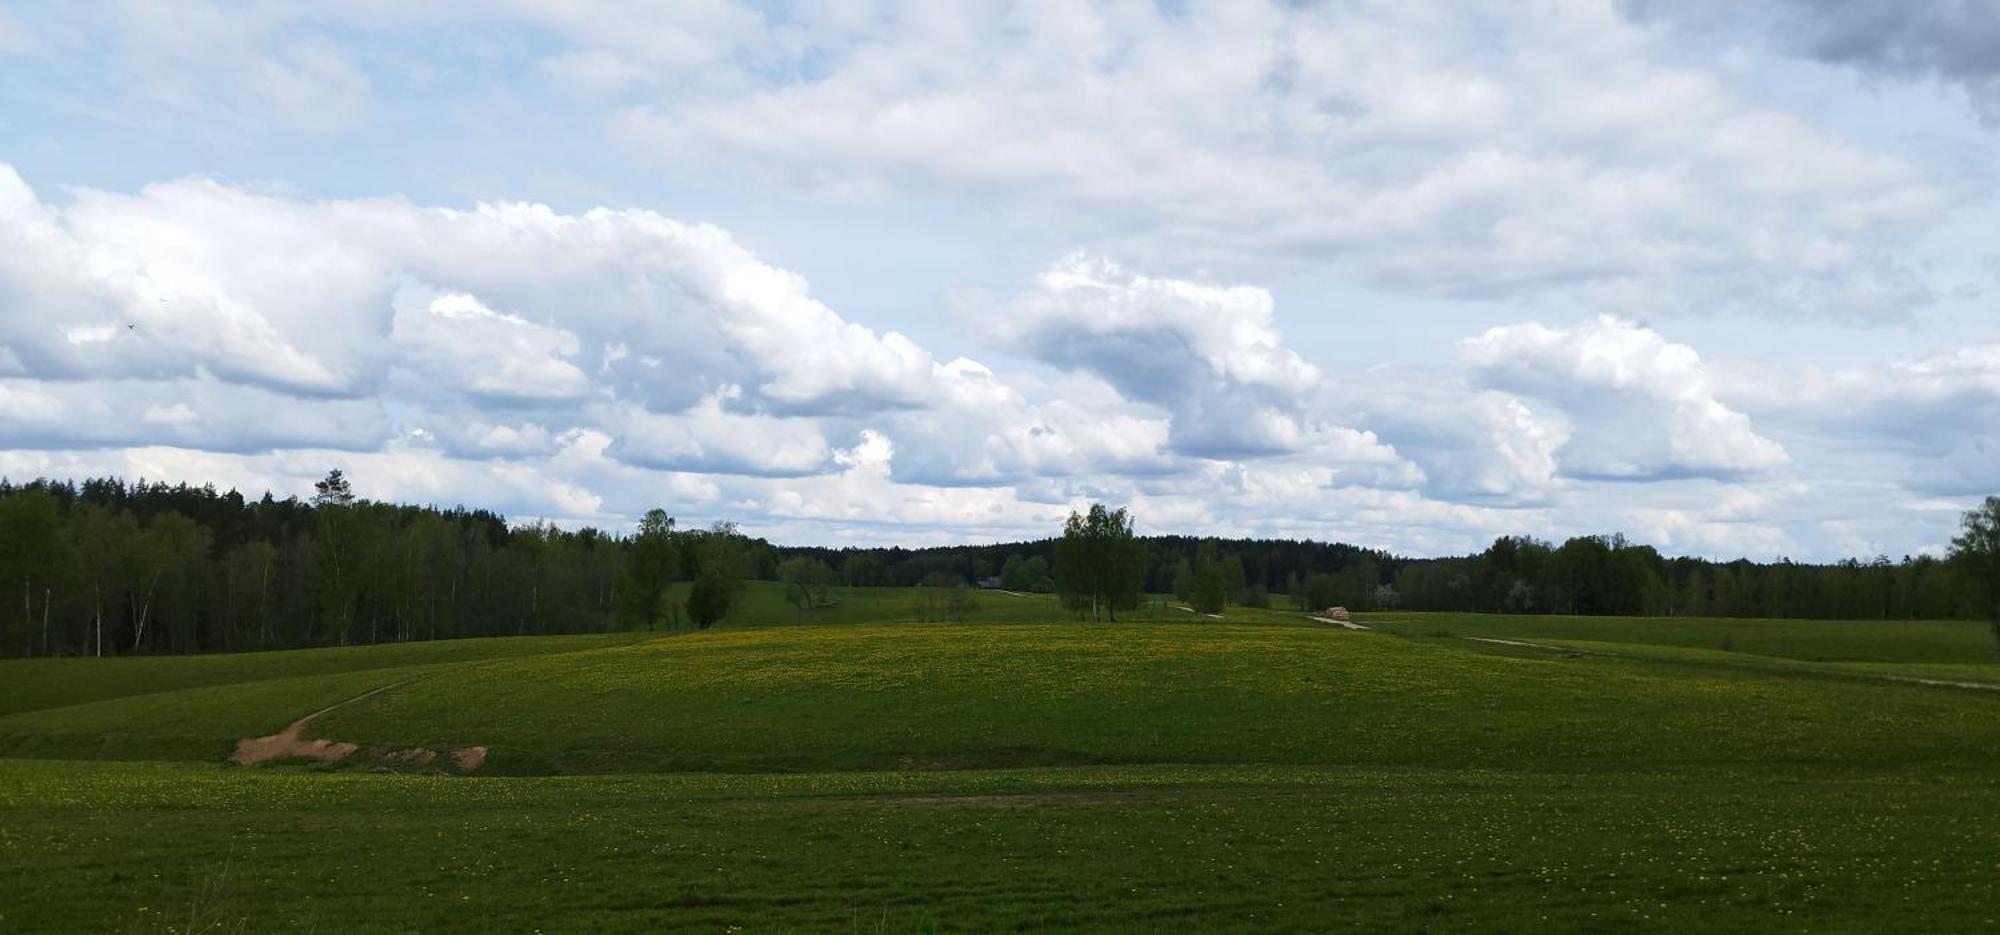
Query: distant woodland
(105, 567)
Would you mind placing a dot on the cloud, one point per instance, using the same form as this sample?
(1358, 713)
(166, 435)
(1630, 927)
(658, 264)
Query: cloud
(1957, 43)
(202, 414)
(235, 63)
(1640, 406)
(315, 67)
(1468, 150)
(610, 353)
(194, 277)
(188, 313)
(1491, 150)
(1468, 444)
(587, 366)
(14, 37)
(596, 71)
(1932, 421)
(407, 475)
(454, 339)
(708, 439)
(1207, 355)
(983, 430)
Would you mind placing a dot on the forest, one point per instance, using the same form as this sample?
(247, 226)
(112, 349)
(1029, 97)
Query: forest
(105, 567)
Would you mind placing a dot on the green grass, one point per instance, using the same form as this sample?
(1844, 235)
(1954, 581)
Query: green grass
(1975, 674)
(110, 847)
(870, 772)
(765, 604)
(32, 684)
(954, 696)
(1927, 641)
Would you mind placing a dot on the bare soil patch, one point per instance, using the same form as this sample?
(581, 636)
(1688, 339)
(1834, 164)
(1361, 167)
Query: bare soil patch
(290, 744)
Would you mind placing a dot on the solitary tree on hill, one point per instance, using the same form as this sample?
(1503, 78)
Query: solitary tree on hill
(1099, 564)
(1975, 554)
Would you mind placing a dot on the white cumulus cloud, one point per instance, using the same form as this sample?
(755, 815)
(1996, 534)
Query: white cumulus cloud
(1207, 355)
(1639, 405)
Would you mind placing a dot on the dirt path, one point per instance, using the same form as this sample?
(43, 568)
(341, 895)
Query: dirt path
(289, 744)
(1192, 611)
(1918, 680)
(1341, 623)
(1548, 648)
(950, 800)
(1866, 676)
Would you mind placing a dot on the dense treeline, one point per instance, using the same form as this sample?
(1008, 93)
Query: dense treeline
(1030, 566)
(106, 567)
(1607, 575)
(1584, 575)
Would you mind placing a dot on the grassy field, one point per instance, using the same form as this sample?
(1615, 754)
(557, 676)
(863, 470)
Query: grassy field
(1920, 641)
(869, 772)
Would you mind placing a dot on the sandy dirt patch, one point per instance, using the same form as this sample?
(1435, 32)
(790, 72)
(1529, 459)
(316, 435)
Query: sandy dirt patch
(289, 744)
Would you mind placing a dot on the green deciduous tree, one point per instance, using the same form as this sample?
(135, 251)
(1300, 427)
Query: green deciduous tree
(1013, 574)
(1975, 557)
(1208, 580)
(1099, 564)
(30, 539)
(864, 570)
(1035, 574)
(723, 557)
(247, 573)
(159, 560)
(101, 535)
(709, 601)
(808, 584)
(652, 561)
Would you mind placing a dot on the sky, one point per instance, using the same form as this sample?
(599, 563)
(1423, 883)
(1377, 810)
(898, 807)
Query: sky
(1718, 275)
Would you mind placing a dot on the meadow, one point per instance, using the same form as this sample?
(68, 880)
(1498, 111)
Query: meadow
(868, 771)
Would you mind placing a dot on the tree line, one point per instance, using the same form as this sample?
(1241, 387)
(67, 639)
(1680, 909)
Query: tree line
(1606, 575)
(109, 568)
(105, 567)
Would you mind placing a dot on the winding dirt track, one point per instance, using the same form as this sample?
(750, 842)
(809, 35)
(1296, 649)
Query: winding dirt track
(289, 744)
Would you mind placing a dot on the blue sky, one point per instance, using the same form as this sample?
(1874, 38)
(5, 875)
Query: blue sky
(1719, 276)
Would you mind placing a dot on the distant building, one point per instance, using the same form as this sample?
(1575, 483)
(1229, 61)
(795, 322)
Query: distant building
(991, 584)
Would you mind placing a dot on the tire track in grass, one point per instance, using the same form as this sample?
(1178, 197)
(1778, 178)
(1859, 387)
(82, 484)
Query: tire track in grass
(1349, 624)
(1838, 673)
